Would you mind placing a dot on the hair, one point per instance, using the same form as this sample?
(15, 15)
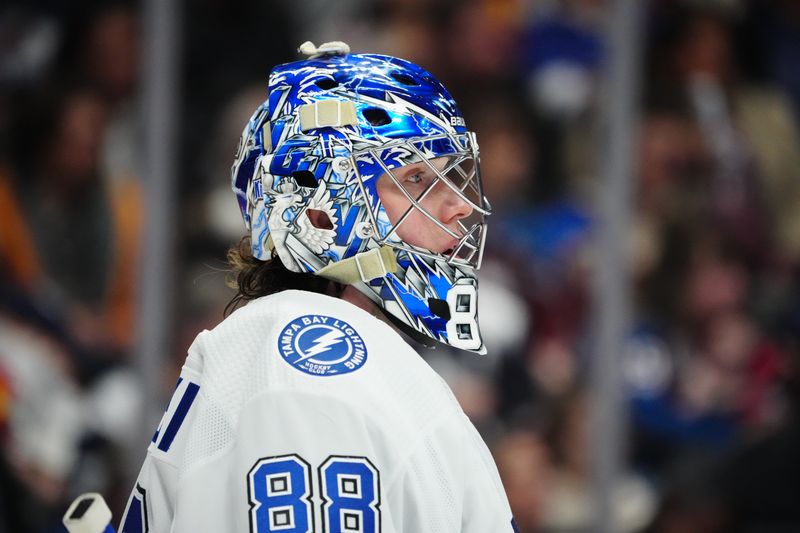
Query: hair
(254, 278)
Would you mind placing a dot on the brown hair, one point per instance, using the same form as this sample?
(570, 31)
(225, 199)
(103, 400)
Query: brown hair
(254, 278)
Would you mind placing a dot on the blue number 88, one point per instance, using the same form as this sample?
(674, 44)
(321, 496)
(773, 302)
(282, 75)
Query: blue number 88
(280, 495)
(279, 490)
(351, 495)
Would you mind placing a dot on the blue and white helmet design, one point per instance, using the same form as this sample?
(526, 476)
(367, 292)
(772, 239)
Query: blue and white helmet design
(335, 124)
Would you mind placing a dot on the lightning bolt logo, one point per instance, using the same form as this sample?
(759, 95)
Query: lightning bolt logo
(339, 349)
(323, 344)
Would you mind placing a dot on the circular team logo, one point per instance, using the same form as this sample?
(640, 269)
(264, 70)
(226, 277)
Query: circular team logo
(322, 345)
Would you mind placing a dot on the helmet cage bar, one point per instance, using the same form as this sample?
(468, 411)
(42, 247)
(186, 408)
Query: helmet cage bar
(414, 203)
(472, 181)
(465, 237)
(471, 238)
(443, 177)
(451, 259)
(464, 243)
(464, 146)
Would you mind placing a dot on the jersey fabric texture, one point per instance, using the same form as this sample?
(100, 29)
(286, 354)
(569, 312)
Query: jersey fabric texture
(296, 421)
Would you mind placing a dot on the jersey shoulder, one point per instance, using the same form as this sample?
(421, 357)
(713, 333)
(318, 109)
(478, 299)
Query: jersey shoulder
(306, 329)
(297, 342)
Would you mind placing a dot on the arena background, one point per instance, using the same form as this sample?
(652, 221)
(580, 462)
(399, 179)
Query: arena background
(640, 294)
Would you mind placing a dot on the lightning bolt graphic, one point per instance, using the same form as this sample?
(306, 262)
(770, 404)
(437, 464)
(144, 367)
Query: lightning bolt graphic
(323, 344)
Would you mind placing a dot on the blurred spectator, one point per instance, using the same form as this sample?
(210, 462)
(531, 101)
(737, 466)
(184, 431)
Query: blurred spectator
(524, 462)
(75, 256)
(692, 501)
(746, 126)
(481, 43)
(761, 481)
(672, 165)
(43, 423)
(702, 371)
(108, 62)
(410, 29)
(569, 503)
(563, 51)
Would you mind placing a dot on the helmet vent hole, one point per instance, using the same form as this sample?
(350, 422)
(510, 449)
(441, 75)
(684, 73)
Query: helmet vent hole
(326, 84)
(439, 308)
(305, 178)
(405, 79)
(376, 116)
(319, 219)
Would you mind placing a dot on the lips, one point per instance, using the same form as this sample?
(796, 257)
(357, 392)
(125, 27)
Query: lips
(451, 246)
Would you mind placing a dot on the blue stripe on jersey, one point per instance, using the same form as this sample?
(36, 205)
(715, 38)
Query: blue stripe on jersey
(136, 515)
(158, 429)
(177, 418)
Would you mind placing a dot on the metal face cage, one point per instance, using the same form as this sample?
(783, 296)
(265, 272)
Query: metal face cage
(446, 163)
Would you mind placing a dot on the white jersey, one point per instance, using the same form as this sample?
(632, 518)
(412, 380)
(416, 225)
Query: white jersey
(304, 413)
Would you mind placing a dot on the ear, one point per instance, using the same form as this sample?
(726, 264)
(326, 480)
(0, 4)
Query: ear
(319, 219)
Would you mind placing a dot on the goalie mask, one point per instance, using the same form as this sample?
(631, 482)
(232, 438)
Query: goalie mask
(338, 135)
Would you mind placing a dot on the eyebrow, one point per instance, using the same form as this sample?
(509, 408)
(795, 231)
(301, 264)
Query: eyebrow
(414, 167)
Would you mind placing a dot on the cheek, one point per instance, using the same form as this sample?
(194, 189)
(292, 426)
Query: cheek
(416, 229)
(419, 230)
(394, 205)
(413, 229)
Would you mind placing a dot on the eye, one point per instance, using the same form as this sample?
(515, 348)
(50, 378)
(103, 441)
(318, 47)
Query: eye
(418, 176)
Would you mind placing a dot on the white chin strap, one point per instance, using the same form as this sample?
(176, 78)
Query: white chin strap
(363, 267)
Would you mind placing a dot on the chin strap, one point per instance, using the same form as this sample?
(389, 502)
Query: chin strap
(410, 332)
(363, 267)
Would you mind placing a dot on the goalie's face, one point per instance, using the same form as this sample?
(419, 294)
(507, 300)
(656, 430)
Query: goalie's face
(438, 202)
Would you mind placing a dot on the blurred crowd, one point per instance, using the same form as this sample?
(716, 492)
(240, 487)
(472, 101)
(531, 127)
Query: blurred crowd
(712, 359)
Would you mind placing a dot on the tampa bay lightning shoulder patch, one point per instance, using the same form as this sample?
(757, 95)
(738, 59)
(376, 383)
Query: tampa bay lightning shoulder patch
(322, 346)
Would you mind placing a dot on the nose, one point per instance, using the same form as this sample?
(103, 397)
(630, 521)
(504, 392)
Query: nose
(452, 206)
